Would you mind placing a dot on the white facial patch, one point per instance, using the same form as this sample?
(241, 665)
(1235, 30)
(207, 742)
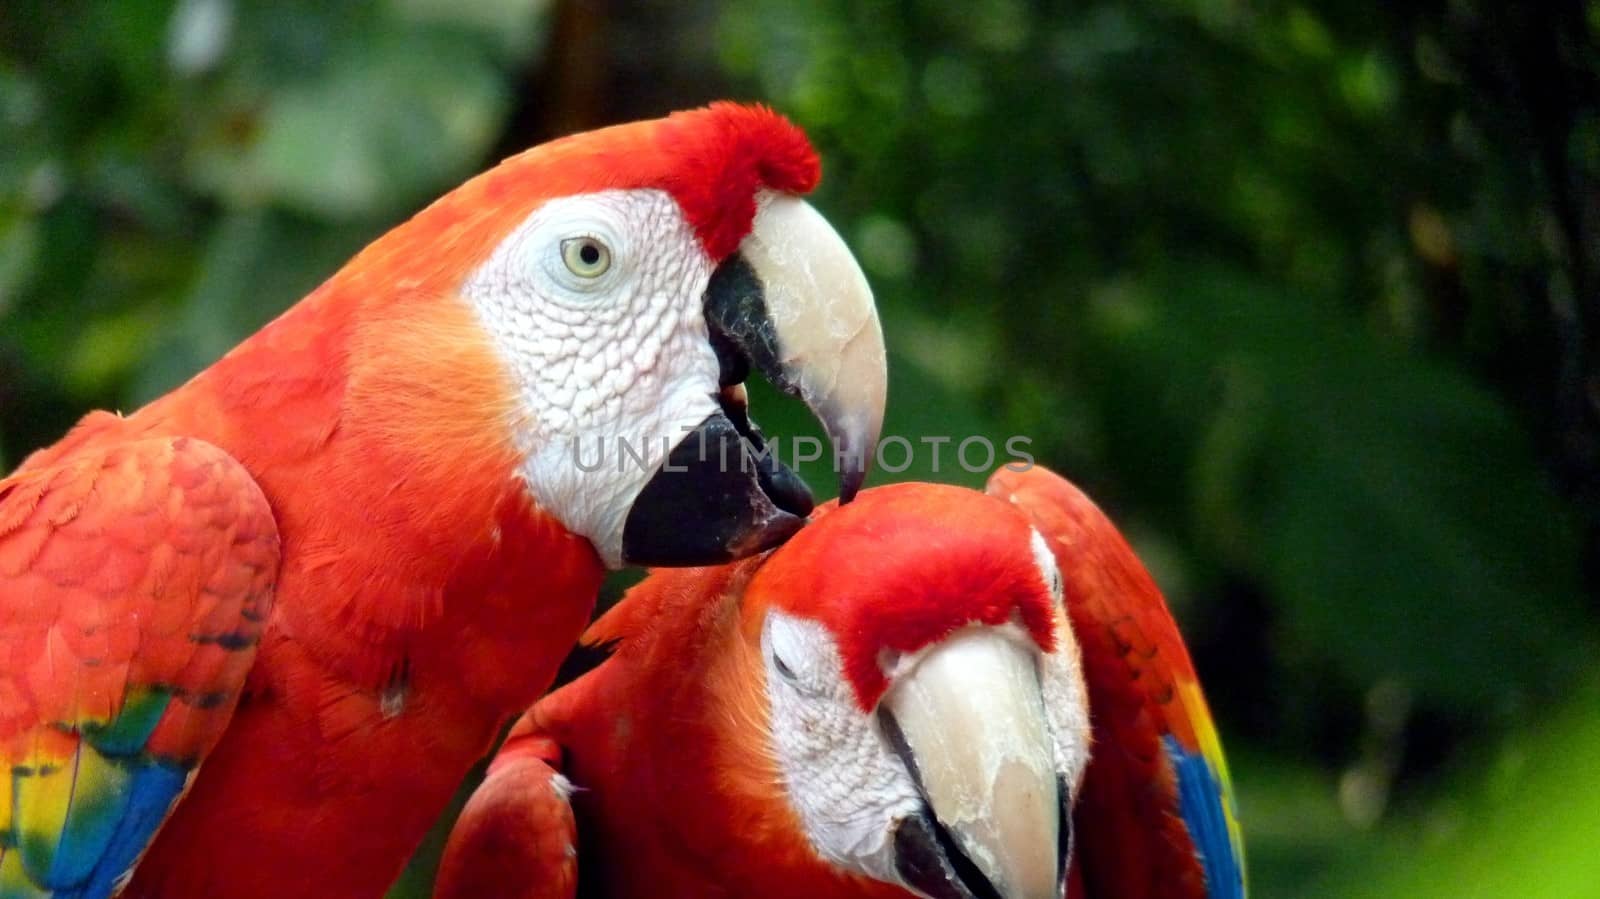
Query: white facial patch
(607, 345)
(1066, 701)
(1046, 560)
(841, 776)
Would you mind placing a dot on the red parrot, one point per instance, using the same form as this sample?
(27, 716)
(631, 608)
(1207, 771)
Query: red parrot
(253, 635)
(930, 692)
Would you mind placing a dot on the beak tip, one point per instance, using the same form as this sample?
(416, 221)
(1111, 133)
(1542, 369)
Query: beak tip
(850, 482)
(857, 444)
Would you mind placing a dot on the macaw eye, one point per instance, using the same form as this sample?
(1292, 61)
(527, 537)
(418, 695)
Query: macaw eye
(585, 257)
(783, 669)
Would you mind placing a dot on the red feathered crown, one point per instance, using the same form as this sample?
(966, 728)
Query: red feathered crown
(905, 566)
(721, 156)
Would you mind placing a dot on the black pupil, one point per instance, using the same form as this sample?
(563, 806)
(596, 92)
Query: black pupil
(589, 253)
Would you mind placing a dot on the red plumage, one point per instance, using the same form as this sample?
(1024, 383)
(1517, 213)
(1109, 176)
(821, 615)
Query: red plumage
(668, 742)
(745, 149)
(417, 575)
(185, 554)
(519, 817)
(898, 584)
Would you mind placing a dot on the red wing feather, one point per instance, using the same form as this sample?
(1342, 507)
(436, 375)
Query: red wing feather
(1155, 816)
(135, 581)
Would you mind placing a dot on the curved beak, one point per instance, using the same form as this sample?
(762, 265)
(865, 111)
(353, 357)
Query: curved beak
(969, 723)
(793, 304)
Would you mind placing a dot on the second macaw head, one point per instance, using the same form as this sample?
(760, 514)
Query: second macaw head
(924, 700)
(627, 281)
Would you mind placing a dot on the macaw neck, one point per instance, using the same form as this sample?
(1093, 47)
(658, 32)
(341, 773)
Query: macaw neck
(380, 433)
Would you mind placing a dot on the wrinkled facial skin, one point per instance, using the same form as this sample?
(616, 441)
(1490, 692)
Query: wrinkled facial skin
(842, 777)
(600, 358)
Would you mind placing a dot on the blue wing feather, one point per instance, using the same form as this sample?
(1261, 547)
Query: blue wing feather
(153, 789)
(117, 796)
(1200, 798)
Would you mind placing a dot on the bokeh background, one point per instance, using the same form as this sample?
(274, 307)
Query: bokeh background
(1304, 292)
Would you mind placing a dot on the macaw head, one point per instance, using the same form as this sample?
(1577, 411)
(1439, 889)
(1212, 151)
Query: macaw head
(925, 706)
(628, 280)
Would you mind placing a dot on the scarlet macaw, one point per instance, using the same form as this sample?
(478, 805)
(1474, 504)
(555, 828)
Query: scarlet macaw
(930, 692)
(324, 572)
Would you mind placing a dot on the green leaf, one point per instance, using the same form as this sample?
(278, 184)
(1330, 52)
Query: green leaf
(1526, 827)
(256, 265)
(514, 27)
(1393, 504)
(383, 128)
(19, 244)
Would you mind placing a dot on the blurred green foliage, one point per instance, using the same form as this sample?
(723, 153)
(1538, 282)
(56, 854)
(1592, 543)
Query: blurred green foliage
(1306, 294)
